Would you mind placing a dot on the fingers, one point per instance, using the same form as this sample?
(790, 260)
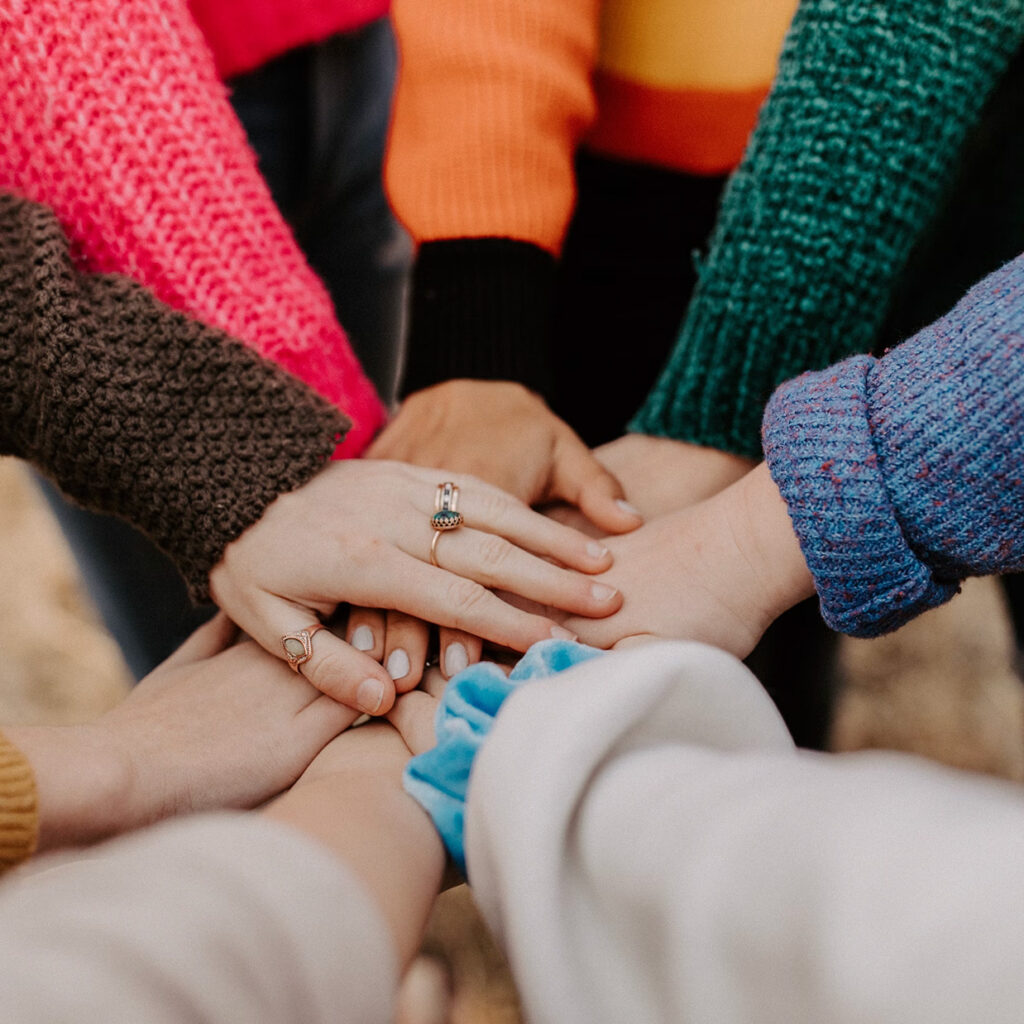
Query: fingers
(496, 563)
(413, 717)
(490, 510)
(458, 651)
(459, 603)
(580, 479)
(405, 650)
(365, 631)
(334, 667)
(209, 639)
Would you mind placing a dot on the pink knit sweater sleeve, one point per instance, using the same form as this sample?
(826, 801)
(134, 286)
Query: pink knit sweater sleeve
(111, 113)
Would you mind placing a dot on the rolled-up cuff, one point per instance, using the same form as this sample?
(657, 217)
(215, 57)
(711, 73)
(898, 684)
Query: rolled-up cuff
(820, 452)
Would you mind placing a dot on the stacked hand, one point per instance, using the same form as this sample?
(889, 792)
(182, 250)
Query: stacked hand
(360, 533)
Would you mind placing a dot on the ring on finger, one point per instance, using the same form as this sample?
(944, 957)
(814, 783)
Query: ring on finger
(446, 507)
(298, 646)
(446, 515)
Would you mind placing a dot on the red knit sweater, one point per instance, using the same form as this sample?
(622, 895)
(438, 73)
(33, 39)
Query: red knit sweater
(244, 34)
(112, 114)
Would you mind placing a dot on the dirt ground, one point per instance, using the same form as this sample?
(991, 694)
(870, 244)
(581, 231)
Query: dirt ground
(942, 687)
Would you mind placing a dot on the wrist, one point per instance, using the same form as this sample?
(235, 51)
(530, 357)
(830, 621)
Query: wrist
(759, 520)
(83, 783)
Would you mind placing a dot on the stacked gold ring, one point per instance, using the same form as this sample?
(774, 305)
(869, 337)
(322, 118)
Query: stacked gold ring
(446, 515)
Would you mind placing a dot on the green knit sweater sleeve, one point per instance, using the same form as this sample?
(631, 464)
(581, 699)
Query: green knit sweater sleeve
(851, 156)
(139, 411)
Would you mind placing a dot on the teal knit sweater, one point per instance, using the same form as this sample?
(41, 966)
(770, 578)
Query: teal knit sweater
(851, 157)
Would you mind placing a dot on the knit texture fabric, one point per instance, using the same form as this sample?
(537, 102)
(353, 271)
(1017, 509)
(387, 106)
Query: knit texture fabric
(480, 308)
(138, 411)
(19, 810)
(243, 34)
(853, 150)
(112, 115)
(906, 474)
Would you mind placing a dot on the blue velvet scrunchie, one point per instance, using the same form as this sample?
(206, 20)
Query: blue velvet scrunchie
(439, 779)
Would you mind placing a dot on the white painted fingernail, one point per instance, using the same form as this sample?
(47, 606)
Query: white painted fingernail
(398, 664)
(630, 510)
(362, 639)
(456, 658)
(562, 634)
(602, 592)
(370, 695)
(596, 550)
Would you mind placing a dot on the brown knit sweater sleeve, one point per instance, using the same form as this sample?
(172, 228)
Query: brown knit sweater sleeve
(136, 410)
(19, 811)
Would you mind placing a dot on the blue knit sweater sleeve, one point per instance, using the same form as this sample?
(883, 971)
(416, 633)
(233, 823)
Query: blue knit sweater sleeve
(904, 475)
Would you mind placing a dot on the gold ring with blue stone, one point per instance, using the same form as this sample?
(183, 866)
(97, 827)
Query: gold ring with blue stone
(446, 504)
(446, 515)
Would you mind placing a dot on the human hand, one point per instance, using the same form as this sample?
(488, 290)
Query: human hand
(360, 533)
(414, 712)
(720, 571)
(661, 475)
(400, 643)
(214, 726)
(505, 434)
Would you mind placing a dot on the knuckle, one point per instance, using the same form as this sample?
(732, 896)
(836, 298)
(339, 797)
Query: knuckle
(493, 506)
(495, 552)
(327, 671)
(465, 599)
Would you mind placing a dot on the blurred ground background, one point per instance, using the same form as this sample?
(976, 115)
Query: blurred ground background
(942, 687)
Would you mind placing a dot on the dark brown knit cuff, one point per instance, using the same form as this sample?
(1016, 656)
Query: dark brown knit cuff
(139, 411)
(480, 309)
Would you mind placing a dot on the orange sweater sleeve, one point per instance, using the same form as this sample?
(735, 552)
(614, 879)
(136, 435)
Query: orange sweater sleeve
(19, 814)
(491, 101)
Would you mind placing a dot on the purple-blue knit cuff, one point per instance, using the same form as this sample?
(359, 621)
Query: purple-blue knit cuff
(819, 449)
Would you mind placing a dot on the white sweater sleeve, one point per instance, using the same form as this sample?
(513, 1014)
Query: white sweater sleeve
(222, 918)
(649, 846)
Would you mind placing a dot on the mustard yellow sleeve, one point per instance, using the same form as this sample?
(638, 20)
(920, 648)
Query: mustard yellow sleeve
(19, 809)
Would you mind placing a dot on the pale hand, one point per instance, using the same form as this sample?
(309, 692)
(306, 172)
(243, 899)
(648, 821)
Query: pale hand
(720, 572)
(360, 533)
(505, 434)
(214, 726)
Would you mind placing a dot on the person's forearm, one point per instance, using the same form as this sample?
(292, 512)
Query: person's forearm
(903, 475)
(490, 103)
(352, 802)
(114, 118)
(868, 103)
(138, 411)
(82, 784)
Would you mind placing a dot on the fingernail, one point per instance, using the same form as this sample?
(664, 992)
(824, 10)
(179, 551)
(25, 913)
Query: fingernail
(398, 664)
(596, 550)
(602, 592)
(456, 658)
(630, 510)
(370, 695)
(562, 634)
(362, 639)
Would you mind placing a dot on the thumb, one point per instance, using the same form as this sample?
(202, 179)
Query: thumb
(334, 667)
(578, 478)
